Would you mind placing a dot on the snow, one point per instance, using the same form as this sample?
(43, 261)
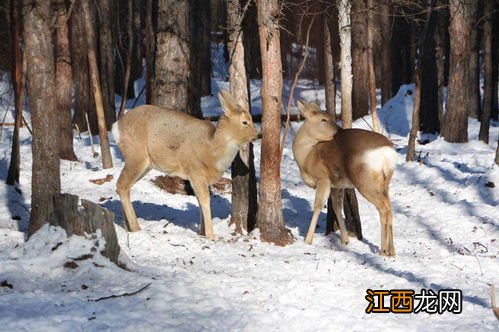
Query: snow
(446, 231)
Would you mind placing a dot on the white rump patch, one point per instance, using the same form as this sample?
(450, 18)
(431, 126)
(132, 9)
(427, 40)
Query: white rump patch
(384, 158)
(115, 130)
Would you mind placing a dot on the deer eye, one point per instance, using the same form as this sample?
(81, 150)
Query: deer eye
(324, 120)
(245, 123)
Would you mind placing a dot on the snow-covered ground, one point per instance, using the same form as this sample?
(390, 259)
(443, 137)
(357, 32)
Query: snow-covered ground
(446, 229)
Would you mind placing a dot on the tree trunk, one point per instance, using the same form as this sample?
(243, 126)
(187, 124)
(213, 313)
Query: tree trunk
(250, 29)
(428, 76)
(370, 62)
(107, 161)
(497, 153)
(455, 125)
(360, 91)
(473, 85)
(197, 7)
(386, 32)
(400, 51)
(106, 11)
(411, 148)
(128, 65)
(441, 57)
(350, 204)
(345, 62)
(270, 217)
(149, 49)
(41, 84)
(329, 83)
(488, 78)
(91, 218)
(84, 103)
(205, 49)
(171, 77)
(17, 82)
(244, 192)
(64, 85)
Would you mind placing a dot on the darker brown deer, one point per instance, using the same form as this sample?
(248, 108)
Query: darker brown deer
(178, 144)
(332, 159)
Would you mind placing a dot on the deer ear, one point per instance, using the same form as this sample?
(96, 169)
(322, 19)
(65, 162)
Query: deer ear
(229, 105)
(303, 108)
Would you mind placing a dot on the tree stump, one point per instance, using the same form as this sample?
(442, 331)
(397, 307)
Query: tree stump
(352, 217)
(93, 217)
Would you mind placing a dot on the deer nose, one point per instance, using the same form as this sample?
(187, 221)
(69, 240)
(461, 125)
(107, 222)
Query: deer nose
(259, 136)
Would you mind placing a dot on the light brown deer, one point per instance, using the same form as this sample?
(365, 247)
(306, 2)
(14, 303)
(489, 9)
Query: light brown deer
(178, 144)
(332, 159)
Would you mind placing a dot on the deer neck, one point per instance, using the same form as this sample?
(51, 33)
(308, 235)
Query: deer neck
(224, 149)
(302, 146)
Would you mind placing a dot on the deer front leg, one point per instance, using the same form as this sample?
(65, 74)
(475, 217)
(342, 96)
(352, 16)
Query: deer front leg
(202, 192)
(321, 195)
(337, 199)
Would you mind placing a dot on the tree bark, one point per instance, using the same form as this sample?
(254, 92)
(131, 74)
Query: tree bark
(64, 85)
(149, 50)
(441, 54)
(350, 204)
(370, 66)
(107, 161)
(197, 7)
(18, 87)
(455, 125)
(128, 65)
(385, 59)
(41, 83)
(329, 82)
(244, 191)
(345, 62)
(473, 85)
(428, 76)
(171, 77)
(360, 91)
(488, 73)
(106, 11)
(270, 217)
(84, 103)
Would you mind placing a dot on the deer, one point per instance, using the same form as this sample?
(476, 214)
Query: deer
(178, 144)
(332, 159)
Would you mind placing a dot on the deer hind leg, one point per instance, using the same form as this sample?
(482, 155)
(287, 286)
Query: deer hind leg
(337, 199)
(202, 192)
(321, 195)
(131, 173)
(380, 199)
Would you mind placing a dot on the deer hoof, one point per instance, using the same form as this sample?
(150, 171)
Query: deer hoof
(345, 242)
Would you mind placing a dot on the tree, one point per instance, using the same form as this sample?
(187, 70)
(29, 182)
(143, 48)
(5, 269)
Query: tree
(370, 65)
(106, 10)
(64, 83)
(424, 48)
(455, 125)
(17, 82)
(360, 91)
(350, 204)
(329, 82)
(39, 54)
(426, 63)
(171, 72)
(488, 74)
(345, 62)
(244, 192)
(107, 161)
(385, 21)
(270, 218)
(84, 102)
(473, 84)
